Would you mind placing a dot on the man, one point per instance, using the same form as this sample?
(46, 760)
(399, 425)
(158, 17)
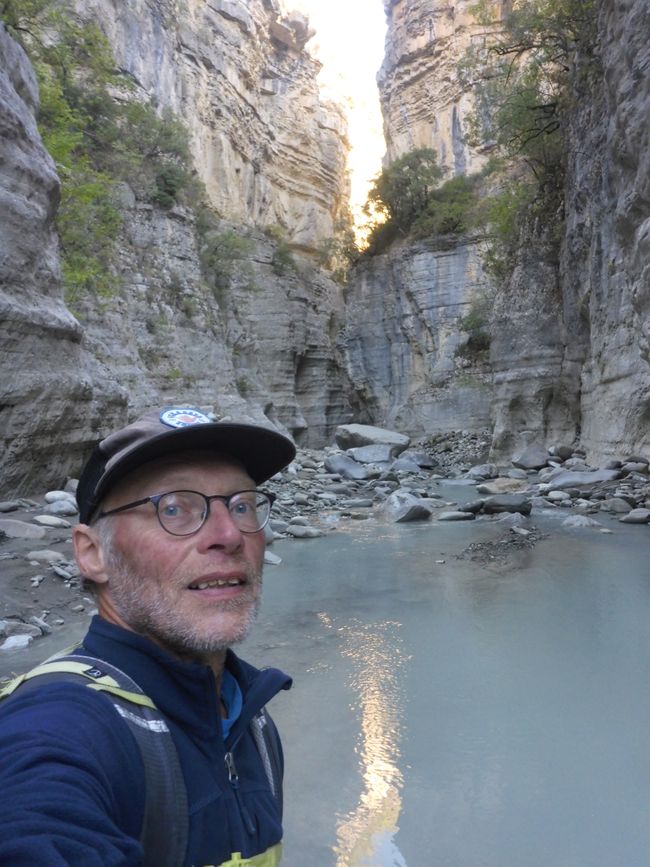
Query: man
(172, 541)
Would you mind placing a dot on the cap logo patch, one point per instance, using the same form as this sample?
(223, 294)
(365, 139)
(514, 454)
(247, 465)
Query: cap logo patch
(183, 417)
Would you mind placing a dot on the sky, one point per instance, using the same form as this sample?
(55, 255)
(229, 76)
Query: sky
(349, 41)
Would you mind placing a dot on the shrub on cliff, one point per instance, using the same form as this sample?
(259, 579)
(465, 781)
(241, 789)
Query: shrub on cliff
(98, 136)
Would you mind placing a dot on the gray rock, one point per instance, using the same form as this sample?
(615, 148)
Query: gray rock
(507, 503)
(51, 521)
(351, 435)
(374, 454)
(21, 529)
(53, 496)
(404, 465)
(615, 504)
(483, 471)
(17, 627)
(635, 467)
(345, 466)
(579, 521)
(558, 496)
(636, 516)
(300, 532)
(9, 505)
(62, 508)
(474, 506)
(533, 457)
(40, 624)
(517, 474)
(272, 559)
(421, 458)
(16, 642)
(502, 485)
(456, 516)
(298, 521)
(562, 478)
(358, 504)
(45, 556)
(402, 506)
(562, 452)
(512, 519)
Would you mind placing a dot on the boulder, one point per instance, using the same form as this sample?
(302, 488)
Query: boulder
(404, 465)
(378, 453)
(507, 503)
(349, 436)
(20, 529)
(482, 471)
(636, 516)
(456, 516)
(502, 485)
(402, 506)
(533, 457)
(580, 521)
(346, 467)
(562, 478)
(421, 458)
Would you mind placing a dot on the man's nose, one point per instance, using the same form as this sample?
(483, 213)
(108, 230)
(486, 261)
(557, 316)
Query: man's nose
(220, 530)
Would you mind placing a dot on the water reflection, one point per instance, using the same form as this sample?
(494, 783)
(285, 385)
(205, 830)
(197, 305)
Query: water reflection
(365, 836)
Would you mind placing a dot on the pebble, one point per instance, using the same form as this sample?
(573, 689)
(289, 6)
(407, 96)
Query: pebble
(52, 521)
(272, 559)
(20, 529)
(45, 556)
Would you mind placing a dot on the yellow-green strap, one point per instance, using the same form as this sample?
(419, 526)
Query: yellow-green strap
(105, 683)
(270, 858)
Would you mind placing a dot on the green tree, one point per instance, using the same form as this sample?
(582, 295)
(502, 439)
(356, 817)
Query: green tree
(401, 191)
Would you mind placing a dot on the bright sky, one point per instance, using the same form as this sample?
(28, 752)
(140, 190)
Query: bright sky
(349, 42)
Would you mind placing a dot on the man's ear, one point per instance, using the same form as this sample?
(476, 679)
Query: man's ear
(89, 554)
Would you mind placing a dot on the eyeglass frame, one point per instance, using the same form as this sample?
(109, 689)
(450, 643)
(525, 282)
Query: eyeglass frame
(156, 498)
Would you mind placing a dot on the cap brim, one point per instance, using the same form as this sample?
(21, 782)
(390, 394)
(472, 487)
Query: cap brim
(261, 451)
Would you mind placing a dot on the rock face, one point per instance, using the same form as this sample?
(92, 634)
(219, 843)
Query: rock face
(403, 335)
(52, 391)
(269, 151)
(571, 350)
(423, 101)
(270, 154)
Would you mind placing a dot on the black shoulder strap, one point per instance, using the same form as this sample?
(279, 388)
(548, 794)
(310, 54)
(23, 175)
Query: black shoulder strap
(165, 825)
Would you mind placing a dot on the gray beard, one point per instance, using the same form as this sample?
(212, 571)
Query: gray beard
(152, 618)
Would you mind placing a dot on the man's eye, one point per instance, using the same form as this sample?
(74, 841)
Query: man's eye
(241, 507)
(171, 510)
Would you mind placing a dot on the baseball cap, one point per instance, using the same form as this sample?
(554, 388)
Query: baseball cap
(261, 450)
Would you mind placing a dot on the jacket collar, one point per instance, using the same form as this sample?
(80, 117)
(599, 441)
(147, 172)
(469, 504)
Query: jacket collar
(185, 692)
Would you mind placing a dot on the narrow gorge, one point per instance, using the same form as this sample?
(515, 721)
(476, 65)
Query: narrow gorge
(244, 312)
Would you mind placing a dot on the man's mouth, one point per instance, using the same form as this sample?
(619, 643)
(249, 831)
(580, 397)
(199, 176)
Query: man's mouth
(216, 582)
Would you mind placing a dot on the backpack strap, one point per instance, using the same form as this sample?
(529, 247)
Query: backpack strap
(165, 825)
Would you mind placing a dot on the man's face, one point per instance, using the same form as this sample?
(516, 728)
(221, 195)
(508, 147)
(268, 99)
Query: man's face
(157, 582)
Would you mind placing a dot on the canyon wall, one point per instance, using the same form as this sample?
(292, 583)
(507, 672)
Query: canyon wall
(570, 343)
(53, 391)
(570, 346)
(272, 158)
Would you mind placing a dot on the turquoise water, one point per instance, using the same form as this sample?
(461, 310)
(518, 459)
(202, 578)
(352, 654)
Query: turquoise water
(462, 715)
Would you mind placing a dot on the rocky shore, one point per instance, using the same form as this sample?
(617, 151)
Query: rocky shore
(369, 474)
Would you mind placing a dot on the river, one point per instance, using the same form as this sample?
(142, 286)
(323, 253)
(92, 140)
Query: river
(457, 714)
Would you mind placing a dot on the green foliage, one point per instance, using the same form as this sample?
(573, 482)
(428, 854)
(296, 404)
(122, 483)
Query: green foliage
(526, 81)
(401, 191)
(452, 208)
(282, 260)
(339, 252)
(98, 138)
(224, 255)
(475, 323)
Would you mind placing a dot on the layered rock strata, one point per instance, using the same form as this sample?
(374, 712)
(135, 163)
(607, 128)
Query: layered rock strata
(424, 102)
(53, 392)
(403, 337)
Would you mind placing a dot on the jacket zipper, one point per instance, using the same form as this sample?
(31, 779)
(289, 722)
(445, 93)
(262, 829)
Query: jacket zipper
(233, 779)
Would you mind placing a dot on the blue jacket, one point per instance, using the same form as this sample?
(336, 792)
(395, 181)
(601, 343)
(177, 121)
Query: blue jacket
(71, 776)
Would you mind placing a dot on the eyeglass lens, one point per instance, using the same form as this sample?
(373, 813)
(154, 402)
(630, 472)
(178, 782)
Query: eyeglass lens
(183, 512)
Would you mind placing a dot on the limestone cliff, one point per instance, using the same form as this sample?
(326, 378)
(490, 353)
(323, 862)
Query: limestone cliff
(270, 153)
(403, 336)
(53, 392)
(423, 101)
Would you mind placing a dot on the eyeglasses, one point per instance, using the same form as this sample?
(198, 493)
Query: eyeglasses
(182, 513)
